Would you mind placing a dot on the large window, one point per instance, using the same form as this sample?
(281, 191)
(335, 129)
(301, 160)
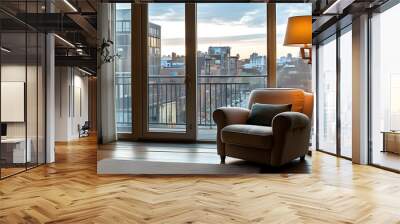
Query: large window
(385, 84)
(346, 94)
(335, 108)
(231, 58)
(291, 71)
(327, 96)
(123, 76)
(226, 62)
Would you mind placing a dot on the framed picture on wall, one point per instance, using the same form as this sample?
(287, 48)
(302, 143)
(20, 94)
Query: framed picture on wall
(12, 101)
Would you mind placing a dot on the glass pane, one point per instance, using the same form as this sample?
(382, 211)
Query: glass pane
(231, 58)
(32, 98)
(13, 86)
(291, 71)
(166, 67)
(327, 97)
(346, 94)
(41, 99)
(385, 85)
(123, 83)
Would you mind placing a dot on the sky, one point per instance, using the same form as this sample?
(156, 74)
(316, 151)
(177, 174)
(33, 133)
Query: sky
(242, 26)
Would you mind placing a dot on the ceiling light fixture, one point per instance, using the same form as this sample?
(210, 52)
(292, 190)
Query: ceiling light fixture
(84, 71)
(5, 50)
(70, 5)
(65, 41)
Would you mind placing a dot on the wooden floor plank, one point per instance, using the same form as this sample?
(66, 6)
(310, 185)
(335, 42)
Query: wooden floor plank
(70, 191)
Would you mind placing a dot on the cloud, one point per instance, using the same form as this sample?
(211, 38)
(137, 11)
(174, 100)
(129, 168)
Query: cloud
(251, 15)
(227, 39)
(159, 12)
(286, 10)
(248, 14)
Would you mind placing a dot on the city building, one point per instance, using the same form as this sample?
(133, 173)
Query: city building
(256, 63)
(154, 44)
(219, 61)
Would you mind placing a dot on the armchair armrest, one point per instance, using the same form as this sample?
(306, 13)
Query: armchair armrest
(291, 134)
(226, 116)
(290, 120)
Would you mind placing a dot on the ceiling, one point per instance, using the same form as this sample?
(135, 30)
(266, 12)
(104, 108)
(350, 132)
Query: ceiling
(73, 20)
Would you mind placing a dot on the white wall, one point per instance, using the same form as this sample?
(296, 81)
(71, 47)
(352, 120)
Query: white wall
(71, 102)
(33, 126)
(15, 73)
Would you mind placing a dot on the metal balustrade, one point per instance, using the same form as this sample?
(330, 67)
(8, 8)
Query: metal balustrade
(167, 98)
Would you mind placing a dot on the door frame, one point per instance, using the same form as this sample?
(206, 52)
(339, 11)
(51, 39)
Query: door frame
(140, 83)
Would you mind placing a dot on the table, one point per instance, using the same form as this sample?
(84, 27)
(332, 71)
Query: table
(391, 141)
(13, 150)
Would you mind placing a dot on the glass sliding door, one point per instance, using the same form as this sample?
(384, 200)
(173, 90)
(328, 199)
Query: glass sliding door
(346, 93)
(166, 69)
(41, 106)
(22, 76)
(326, 105)
(15, 149)
(123, 75)
(385, 89)
(231, 58)
(32, 98)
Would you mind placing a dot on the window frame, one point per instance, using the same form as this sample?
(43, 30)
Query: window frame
(139, 67)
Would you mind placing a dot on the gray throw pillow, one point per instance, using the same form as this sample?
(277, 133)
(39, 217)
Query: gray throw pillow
(262, 114)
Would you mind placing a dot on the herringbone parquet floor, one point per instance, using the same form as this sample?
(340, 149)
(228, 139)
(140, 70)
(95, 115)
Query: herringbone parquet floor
(71, 192)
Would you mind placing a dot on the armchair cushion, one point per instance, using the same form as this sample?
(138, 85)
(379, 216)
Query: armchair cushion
(262, 114)
(248, 135)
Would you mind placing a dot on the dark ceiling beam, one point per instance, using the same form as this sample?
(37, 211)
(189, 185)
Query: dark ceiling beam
(84, 24)
(91, 5)
(82, 61)
(16, 19)
(49, 22)
(89, 30)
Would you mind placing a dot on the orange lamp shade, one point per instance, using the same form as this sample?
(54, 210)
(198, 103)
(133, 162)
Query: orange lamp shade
(299, 31)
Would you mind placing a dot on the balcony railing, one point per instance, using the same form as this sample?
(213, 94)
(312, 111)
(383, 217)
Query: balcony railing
(167, 98)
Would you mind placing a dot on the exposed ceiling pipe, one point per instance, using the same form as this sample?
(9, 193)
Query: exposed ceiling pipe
(5, 50)
(65, 41)
(70, 6)
(84, 71)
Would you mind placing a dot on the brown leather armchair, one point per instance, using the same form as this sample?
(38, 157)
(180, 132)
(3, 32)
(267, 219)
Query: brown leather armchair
(286, 140)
